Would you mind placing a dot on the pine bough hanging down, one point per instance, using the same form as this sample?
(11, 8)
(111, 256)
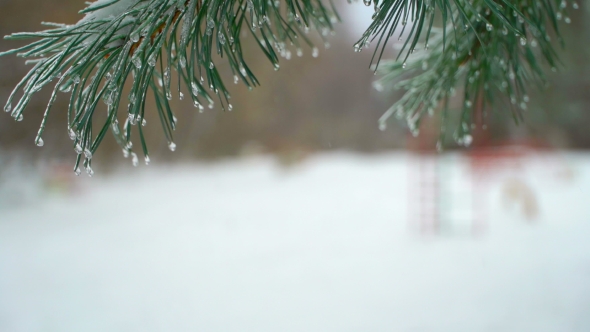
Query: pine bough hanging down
(145, 39)
(493, 48)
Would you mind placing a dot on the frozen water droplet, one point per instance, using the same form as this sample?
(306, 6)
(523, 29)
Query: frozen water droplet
(39, 142)
(152, 60)
(147, 160)
(77, 171)
(20, 118)
(78, 148)
(8, 108)
(72, 134)
(194, 89)
(143, 122)
(88, 153)
(211, 65)
(134, 37)
(467, 140)
(180, 95)
(230, 107)
(489, 27)
(89, 171)
(132, 119)
(211, 106)
(134, 159)
(315, 52)
(522, 41)
(511, 75)
(172, 146)
(378, 86)
(439, 146)
(137, 62)
(236, 79)
(210, 27)
(358, 47)
(382, 126)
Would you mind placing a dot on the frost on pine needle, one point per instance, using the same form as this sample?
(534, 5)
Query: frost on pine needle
(144, 39)
(490, 51)
(106, 9)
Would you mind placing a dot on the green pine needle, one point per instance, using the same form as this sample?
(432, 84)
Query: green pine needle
(492, 50)
(94, 58)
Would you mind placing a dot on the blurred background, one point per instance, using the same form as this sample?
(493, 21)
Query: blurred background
(294, 212)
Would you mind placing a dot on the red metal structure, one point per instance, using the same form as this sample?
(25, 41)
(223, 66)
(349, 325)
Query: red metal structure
(428, 184)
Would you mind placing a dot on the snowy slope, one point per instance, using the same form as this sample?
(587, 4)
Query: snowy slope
(325, 246)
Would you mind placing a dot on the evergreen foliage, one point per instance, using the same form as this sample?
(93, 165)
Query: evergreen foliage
(492, 50)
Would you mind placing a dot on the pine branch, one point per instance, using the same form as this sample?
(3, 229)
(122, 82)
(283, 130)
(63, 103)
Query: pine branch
(491, 50)
(94, 58)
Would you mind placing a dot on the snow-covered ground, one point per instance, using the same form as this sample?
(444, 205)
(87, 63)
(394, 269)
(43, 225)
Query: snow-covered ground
(324, 246)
